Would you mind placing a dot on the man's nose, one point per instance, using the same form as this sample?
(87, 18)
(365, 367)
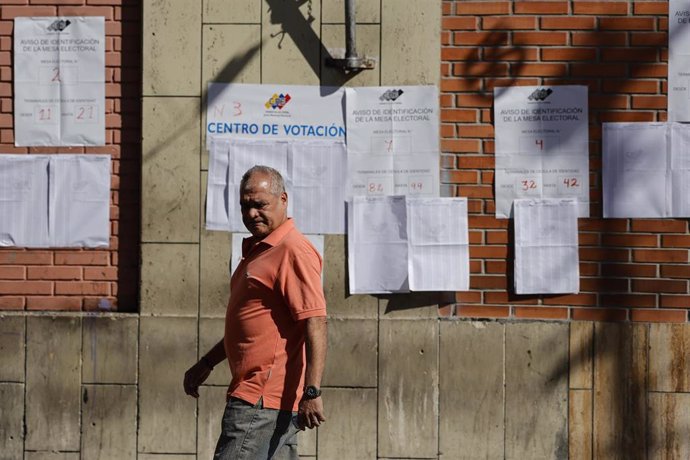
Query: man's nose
(252, 213)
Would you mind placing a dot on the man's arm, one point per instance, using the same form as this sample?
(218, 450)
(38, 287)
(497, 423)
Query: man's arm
(311, 412)
(199, 372)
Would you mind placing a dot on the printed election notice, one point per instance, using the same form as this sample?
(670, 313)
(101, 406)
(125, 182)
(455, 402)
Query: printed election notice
(541, 145)
(679, 60)
(59, 81)
(392, 141)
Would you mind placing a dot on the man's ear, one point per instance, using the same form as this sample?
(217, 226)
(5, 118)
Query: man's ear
(284, 198)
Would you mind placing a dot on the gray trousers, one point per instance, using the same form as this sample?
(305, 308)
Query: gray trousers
(251, 432)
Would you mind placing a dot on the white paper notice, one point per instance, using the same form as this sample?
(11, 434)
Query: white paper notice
(635, 170)
(314, 174)
(646, 170)
(59, 81)
(55, 200)
(79, 201)
(546, 247)
(275, 112)
(236, 257)
(679, 60)
(317, 172)
(24, 200)
(377, 245)
(541, 145)
(392, 141)
(438, 246)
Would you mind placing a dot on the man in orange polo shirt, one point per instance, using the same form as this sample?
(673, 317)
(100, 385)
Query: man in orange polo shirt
(275, 331)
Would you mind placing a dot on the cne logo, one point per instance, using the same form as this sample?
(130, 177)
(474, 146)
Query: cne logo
(540, 94)
(277, 101)
(59, 25)
(391, 95)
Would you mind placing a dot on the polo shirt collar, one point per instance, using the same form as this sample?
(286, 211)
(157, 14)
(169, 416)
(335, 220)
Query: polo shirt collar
(275, 237)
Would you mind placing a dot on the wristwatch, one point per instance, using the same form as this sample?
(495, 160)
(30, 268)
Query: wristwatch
(311, 392)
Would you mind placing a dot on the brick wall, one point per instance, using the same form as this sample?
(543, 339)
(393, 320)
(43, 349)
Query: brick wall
(630, 269)
(73, 279)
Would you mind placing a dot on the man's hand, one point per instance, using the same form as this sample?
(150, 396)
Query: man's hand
(310, 413)
(195, 376)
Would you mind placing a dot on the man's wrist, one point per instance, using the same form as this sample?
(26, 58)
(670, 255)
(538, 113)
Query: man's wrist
(311, 392)
(204, 359)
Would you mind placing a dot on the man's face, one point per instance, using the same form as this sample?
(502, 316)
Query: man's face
(262, 212)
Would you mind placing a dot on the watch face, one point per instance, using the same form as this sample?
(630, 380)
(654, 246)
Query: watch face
(312, 392)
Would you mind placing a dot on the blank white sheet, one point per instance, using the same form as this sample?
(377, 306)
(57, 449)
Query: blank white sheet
(55, 200)
(438, 245)
(317, 182)
(217, 185)
(546, 247)
(377, 245)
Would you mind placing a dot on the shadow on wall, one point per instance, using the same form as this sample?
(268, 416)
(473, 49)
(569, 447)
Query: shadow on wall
(619, 352)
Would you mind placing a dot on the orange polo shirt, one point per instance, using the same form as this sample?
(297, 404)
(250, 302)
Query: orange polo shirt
(276, 286)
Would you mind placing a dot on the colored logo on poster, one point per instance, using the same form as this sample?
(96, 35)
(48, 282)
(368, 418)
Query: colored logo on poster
(59, 25)
(540, 94)
(391, 95)
(278, 101)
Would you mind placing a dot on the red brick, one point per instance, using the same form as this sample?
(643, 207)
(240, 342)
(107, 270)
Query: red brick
(455, 23)
(495, 267)
(82, 258)
(11, 12)
(11, 303)
(568, 54)
(629, 270)
(480, 38)
(460, 145)
(649, 102)
(675, 241)
(446, 311)
(477, 191)
(509, 23)
(568, 23)
(540, 38)
(53, 303)
(660, 255)
(599, 39)
(599, 7)
(539, 70)
(599, 314)
(675, 301)
(492, 83)
(12, 273)
(647, 7)
(675, 271)
(487, 222)
(659, 316)
(459, 177)
(467, 116)
(603, 254)
(459, 54)
(540, 7)
(649, 39)
(658, 286)
(604, 284)
(475, 237)
(25, 258)
(659, 226)
(628, 300)
(541, 313)
(482, 8)
(628, 116)
(629, 54)
(623, 240)
(447, 130)
(572, 299)
(598, 70)
(26, 287)
(631, 86)
(54, 273)
(509, 54)
(649, 71)
(83, 288)
(505, 297)
(488, 282)
(481, 131)
(460, 84)
(105, 11)
(468, 297)
(465, 311)
(480, 69)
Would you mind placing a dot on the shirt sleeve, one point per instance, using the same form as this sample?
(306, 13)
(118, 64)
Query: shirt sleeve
(300, 284)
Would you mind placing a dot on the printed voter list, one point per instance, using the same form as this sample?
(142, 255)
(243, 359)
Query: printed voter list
(541, 145)
(59, 81)
(679, 60)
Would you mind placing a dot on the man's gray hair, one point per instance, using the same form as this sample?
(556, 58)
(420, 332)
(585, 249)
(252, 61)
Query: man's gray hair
(277, 186)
